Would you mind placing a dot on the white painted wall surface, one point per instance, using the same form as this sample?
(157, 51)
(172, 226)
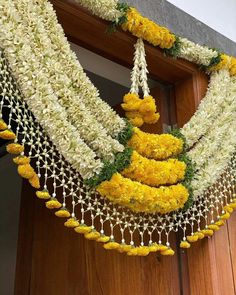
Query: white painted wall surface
(217, 14)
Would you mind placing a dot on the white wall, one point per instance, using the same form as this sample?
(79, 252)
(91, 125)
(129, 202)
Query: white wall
(217, 14)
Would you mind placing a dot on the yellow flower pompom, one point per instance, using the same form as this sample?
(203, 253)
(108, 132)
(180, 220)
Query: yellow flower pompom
(82, 229)
(220, 223)
(153, 247)
(199, 235)
(168, 252)
(225, 216)
(63, 212)
(232, 205)
(185, 245)
(111, 246)
(207, 232)
(133, 251)
(21, 160)
(44, 194)
(103, 239)
(161, 247)
(124, 248)
(213, 227)
(143, 251)
(3, 125)
(71, 222)
(227, 208)
(53, 203)
(15, 148)
(192, 238)
(147, 105)
(26, 171)
(93, 235)
(34, 181)
(131, 102)
(7, 134)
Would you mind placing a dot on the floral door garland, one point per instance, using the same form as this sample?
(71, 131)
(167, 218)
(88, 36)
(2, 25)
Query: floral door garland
(91, 165)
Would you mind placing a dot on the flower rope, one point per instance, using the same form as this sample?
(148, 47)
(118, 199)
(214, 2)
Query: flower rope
(62, 158)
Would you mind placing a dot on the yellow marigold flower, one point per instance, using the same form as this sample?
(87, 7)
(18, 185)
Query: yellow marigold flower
(71, 222)
(225, 216)
(44, 195)
(103, 239)
(133, 251)
(26, 171)
(213, 227)
(83, 229)
(232, 68)
(227, 208)
(21, 160)
(232, 205)
(207, 232)
(111, 246)
(161, 247)
(63, 212)
(3, 125)
(148, 105)
(153, 247)
(124, 248)
(168, 252)
(220, 222)
(151, 118)
(199, 235)
(15, 148)
(148, 30)
(53, 203)
(155, 146)
(185, 245)
(223, 64)
(138, 122)
(132, 102)
(93, 235)
(143, 251)
(34, 181)
(7, 134)
(154, 173)
(142, 198)
(192, 238)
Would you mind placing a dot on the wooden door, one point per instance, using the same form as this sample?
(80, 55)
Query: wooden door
(55, 261)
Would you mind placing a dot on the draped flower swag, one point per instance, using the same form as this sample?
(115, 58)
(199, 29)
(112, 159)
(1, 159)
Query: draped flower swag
(97, 163)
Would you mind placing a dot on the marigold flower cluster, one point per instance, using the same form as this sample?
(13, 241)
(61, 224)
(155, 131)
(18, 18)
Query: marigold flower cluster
(155, 146)
(140, 111)
(226, 62)
(143, 198)
(154, 173)
(146, 29)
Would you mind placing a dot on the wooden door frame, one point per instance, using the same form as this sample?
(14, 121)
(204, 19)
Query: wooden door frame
(86, 30)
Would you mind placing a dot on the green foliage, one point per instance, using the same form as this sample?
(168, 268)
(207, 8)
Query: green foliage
(177, 133)
(174, 51)
(122, 160)
(125, 135)
(123, 8)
